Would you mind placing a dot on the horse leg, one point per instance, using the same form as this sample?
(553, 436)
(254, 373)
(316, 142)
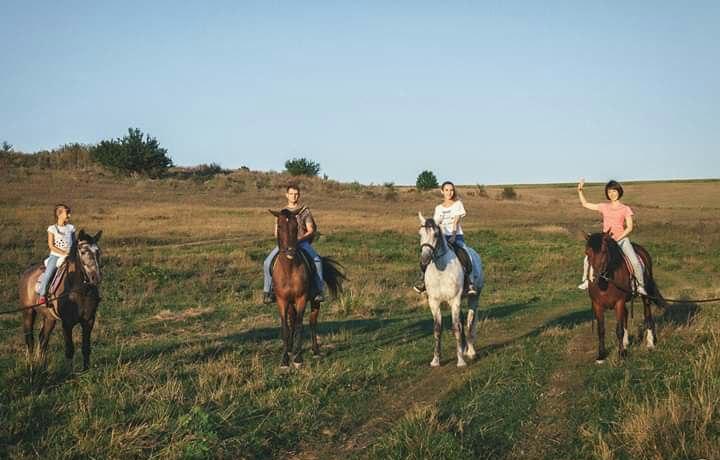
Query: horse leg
(457, 331)
(437, 329)
(69, 346)
(282, 309)
(621, 328)
(314, 311)
(298, 340)
(600, 318)
(471, 326)
(649, 324)
(44, 338)
(87, 327)
(292, 317)
(28, 325)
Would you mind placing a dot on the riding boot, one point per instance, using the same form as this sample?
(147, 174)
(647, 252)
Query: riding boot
(419, 285)
(268, 297)
(467, 267)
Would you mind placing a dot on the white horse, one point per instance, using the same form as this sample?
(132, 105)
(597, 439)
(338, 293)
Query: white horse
(444, 278)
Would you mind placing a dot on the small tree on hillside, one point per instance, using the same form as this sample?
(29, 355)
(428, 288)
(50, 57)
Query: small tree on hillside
(134, 153)
(426, 180)
(6, 147)
(302, 167)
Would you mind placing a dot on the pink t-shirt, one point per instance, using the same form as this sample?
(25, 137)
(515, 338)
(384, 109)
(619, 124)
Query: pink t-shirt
(614, 218)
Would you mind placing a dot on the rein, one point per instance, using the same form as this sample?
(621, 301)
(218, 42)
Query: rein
(612, 281)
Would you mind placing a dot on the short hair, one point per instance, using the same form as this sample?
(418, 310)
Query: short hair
(292, 186)
(447, 182)
(613, 185)
(58, 207)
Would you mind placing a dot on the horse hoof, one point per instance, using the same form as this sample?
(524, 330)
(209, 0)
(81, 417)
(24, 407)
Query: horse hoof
(297, 365)
(471, 356)
(435, 362)
(461, 363)
(316, 356)
(599, 361)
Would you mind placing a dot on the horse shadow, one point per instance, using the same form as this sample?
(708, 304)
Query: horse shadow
(682, 313)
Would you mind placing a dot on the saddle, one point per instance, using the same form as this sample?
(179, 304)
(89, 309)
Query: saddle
(633, 275)
(309, 265)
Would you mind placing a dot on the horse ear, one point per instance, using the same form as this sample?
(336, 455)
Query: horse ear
(82, 235)
(422, 219)
(97, 236)
(274, 213)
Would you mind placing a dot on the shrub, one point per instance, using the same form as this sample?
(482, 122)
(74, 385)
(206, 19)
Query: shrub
(508, 193)
(6, 147)
(481, 191)
(426, 180)
(302, 167)
(390, 193)
(135, 153)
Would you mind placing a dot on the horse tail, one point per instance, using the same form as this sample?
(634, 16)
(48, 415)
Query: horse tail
(333, 275)
(651, 286)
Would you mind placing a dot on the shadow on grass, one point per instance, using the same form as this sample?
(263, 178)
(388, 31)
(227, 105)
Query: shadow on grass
(679, 314)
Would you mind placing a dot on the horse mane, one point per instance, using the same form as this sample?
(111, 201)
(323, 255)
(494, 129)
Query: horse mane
(615, 255)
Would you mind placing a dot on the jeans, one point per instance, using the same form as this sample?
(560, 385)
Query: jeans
(49, 272)
(629, 251)
(305, 246)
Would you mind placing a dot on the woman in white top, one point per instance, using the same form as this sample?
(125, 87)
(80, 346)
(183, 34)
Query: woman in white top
(448, 216)
(61, 237)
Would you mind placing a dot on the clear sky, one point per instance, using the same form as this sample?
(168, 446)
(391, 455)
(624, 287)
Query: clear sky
(476, 91)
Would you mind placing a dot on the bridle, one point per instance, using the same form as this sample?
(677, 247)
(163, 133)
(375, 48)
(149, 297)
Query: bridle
(83, 269)
(434, 248)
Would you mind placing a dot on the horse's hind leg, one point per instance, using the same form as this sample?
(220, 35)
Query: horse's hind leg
(87, 327)
(47, 328)
(28, 325)
(69, 346)
(471, 327)
(437, 330)
(621, 328)
(600, 318)
(458, 331)
(314, 311)
(649, 324)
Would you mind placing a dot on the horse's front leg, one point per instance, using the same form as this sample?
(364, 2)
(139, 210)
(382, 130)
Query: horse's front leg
(282, 310)
(437, 329)
(298, 340)
(600, 318)
(471, 326)
(621, 328)
(458, 331)
(87, 327)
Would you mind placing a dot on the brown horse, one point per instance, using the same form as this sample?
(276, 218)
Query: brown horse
(611, 288)
(292, 281)
(75, 301)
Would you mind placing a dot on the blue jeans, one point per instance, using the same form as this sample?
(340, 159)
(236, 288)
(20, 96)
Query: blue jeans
(319, 283)
(49, 272)
(459, 240)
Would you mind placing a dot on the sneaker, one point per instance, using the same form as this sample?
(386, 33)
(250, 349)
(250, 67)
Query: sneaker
(641, 290)
(584, 285)
(319, 298)
(268, 297)
(419, 287)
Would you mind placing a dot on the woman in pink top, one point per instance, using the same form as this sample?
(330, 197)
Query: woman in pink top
(617, 219)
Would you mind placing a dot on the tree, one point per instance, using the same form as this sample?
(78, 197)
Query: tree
(134, 153)
(6, 147)
(426, 180)
(302, 167)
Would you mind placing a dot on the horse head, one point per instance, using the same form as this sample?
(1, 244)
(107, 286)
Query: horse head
(431, 239)
(287, 232)
(597, 249)
(87, 252)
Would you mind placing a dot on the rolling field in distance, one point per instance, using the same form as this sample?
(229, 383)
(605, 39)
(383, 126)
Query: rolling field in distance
(185, 360)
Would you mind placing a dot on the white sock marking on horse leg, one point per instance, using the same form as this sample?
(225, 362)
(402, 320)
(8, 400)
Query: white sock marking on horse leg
(649, 338)
(626, 339)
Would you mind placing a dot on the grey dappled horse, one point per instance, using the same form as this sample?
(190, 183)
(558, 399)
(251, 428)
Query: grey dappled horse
(444, 278)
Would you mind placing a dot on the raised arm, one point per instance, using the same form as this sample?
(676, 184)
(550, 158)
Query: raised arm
(583, 201)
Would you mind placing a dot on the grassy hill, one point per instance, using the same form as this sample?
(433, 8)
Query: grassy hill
(185, 360)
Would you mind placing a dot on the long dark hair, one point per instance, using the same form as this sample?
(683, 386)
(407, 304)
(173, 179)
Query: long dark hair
(454, 195)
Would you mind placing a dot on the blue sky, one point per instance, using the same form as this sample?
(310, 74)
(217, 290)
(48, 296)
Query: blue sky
(478, 92)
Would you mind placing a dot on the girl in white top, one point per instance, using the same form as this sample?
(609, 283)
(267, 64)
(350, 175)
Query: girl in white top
(448, 215)
(61, 237)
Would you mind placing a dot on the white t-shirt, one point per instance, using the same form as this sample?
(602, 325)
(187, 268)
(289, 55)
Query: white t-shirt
(63, 236)
(444, 217)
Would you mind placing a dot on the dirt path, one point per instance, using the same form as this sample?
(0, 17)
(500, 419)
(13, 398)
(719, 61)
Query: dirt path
(434, 386)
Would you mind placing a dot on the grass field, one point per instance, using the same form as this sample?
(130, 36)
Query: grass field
(185, 359)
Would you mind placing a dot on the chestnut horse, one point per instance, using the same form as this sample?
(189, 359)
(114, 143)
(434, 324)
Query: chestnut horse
(611, 287)
(293, 285)
(76, 299)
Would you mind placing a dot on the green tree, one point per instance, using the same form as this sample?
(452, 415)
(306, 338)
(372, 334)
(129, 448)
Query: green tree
(135, 153)
(426, 180)
(302, 167)
(6, 147)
